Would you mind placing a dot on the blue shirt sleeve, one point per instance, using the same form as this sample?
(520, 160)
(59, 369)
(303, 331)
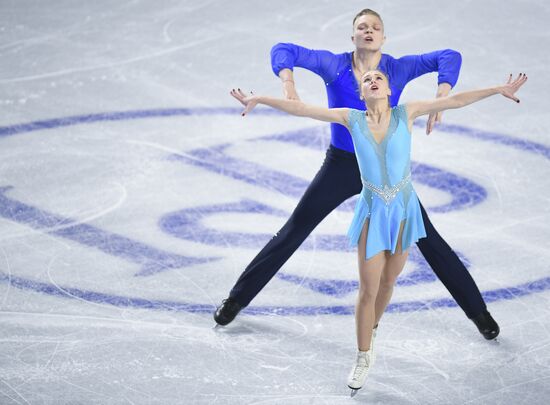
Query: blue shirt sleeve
(446, 62)
(323, 63)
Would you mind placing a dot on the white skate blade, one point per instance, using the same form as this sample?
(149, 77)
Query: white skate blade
(354, 392)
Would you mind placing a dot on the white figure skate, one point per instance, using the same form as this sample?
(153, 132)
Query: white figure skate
(359, 372)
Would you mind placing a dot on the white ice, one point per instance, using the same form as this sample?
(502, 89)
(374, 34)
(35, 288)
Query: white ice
(84, 212)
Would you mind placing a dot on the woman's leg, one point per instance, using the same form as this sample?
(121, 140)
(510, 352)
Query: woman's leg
(370, 272)
(394, 266)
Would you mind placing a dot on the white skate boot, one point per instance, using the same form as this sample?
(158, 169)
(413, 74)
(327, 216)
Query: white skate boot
(372, 352)
(359, 372)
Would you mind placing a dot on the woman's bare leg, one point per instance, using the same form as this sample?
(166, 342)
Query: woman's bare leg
(394, 266)
(369, 280)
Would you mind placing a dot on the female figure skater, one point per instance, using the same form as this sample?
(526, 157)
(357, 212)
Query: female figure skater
(339, 176)
(387, 217)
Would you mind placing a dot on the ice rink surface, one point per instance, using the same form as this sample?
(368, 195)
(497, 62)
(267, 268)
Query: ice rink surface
(132, 195)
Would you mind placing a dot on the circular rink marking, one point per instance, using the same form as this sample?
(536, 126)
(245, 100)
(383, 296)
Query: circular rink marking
(506, 293)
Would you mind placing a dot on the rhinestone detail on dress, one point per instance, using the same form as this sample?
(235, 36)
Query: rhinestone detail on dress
(387, 193)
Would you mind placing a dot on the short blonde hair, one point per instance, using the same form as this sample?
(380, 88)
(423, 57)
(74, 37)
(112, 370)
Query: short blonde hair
(367, 11)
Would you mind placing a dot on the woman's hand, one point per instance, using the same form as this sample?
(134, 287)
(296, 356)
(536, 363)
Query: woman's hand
(249, 101)
(511, 87)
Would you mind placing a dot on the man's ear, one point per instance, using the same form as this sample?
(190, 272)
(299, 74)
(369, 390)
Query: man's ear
(353, 38)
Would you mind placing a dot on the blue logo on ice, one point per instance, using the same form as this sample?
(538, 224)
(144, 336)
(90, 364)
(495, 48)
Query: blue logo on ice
(464, 194)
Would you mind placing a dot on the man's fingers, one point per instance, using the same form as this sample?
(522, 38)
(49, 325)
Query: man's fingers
(432, 119)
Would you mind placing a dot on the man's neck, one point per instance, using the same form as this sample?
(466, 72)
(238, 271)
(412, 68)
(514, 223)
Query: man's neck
(366, 60)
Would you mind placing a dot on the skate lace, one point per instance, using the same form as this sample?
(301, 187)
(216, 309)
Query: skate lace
(360, 368)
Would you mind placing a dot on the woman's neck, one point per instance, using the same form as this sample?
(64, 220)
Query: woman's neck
(364, 60)
(377, 109)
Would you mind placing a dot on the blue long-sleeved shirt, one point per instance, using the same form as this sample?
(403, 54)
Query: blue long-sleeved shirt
(342, 87)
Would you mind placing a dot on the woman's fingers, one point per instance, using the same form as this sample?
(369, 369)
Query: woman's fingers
(513, 86)
(512, 97)
(235, 94)
(239, 95)
(522, 78)
(249, 107)
(242, 93)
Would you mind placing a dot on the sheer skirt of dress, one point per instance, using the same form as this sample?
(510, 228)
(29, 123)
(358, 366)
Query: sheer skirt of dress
(385, 220)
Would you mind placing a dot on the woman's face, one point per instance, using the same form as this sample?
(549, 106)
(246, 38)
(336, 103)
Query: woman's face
(374, 85)
(368, 33)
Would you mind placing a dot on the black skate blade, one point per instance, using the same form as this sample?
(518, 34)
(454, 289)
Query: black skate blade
(217, 326)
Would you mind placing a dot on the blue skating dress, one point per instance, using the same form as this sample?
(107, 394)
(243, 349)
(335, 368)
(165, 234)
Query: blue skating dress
(388, 197)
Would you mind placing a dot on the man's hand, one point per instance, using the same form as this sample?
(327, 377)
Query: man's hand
(443, 90)
(289, 89)
(432, 119)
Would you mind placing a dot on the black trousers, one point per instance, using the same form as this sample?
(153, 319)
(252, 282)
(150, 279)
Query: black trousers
(337, 180)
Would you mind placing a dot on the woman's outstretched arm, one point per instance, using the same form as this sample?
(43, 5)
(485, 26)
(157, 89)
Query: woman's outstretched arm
(294, 107)
(458, 100)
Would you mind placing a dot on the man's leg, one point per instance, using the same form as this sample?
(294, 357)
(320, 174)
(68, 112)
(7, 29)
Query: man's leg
(456, 278)
(337, 180)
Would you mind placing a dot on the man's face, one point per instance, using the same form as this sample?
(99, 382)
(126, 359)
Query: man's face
(368, 33)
